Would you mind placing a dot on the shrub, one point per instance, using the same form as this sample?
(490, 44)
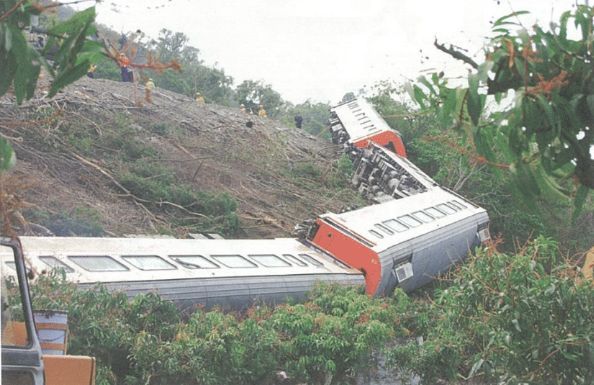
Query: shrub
(81, 221)
(510, 319)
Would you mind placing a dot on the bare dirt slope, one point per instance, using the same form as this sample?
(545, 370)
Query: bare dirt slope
(101, 160)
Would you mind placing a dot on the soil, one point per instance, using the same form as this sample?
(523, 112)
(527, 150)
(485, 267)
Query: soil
(62, 155)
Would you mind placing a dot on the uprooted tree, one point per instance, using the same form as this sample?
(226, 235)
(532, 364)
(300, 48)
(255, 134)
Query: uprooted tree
(528, 107)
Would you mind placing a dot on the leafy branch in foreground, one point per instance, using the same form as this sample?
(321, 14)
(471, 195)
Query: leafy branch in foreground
(21, 63)
(529, 106)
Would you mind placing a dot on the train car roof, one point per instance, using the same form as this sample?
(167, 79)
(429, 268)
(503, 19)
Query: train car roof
(360, 119)
(383, 225)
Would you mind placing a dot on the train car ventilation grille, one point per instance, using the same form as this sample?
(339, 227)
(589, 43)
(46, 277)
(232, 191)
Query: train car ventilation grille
(403, 272)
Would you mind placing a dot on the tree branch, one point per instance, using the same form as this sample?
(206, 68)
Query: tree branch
(455, 54)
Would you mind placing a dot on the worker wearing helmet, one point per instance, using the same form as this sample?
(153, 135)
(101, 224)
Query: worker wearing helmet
(199, 99)
(91, 71)
(148, 90)
(242, 108)
(262, 112)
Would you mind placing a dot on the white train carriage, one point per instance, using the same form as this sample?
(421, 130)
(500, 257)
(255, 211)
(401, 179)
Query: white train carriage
(403, 242)
(214, 272)
(358, 124)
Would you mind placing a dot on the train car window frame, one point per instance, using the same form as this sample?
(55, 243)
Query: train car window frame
(311, 260)
(444, 208)
(410, 221)
(401, 226)
(450, 205)
(248, 265)
(134, 259)
(77, 258)
(59, 265)
(295, 260)
(440, 214)
(384, 228)
(262, 260)
(377, 234)
(192, 265)
(419, 215)
(458, 204)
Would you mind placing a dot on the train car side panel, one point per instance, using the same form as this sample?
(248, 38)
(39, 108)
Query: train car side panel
(352, 252)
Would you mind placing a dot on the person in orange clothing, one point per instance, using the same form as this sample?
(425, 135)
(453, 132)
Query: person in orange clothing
(126, 71)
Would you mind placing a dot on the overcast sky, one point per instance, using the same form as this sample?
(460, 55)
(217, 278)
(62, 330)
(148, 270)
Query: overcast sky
(321, 49)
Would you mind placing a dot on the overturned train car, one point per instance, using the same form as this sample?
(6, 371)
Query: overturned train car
(232, 274)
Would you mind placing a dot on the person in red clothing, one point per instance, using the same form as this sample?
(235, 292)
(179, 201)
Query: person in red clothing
(126, 71)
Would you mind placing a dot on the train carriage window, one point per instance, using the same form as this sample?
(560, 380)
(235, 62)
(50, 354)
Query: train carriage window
(194, 262)
(376, 234)
(148, 262)
(97, 263)
(395, 225)
(422, 216)
(410, 221)
(452, 206)
(56, 264)
(233, 261)
(435, 213)
(12, 265)
(295, 260)
(458, 205)
(311, 260)
(446, 209)
(269, 260)
(384, 229)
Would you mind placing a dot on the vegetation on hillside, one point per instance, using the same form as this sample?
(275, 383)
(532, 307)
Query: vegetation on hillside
(500, 318)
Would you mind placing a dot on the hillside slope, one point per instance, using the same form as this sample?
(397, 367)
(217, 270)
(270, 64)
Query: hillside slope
(100, 160)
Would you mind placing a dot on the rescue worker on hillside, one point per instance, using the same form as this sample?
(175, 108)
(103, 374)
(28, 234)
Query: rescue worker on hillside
(242, 108)
(262, 112)
(298, 121)
(91, 71)
(148, 90)
(200, 99)
(126, 71)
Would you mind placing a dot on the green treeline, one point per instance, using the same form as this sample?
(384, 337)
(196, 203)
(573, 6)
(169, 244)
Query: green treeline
(210, 81)
(499, 318)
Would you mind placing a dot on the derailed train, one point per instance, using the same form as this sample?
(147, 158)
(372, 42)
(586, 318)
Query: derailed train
(415, 230)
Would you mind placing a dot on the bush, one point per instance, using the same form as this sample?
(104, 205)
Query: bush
(509, 319)
(331, 338)
(156, 183)
(147, 341)
(80, 221)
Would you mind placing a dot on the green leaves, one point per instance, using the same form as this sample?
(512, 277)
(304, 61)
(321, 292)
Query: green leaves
(21, 63)
(7, 156)
(474, 100)
(551, 76)
(508, 319)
